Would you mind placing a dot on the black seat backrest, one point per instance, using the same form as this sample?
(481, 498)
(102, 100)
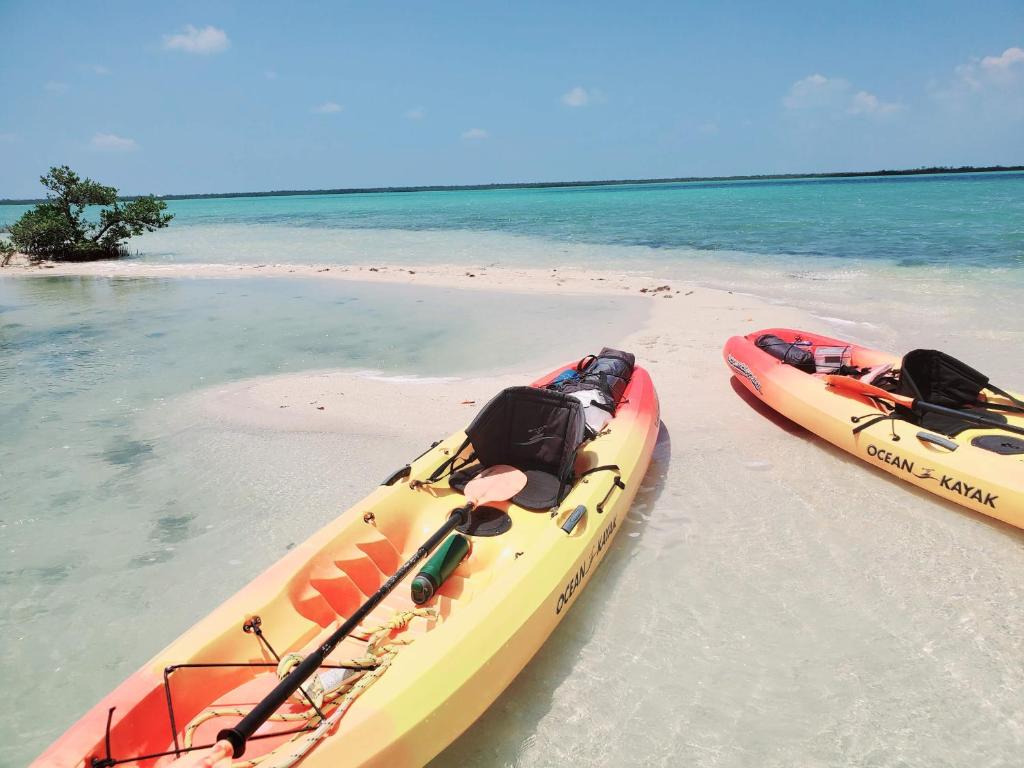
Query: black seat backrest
(536, 430)
(935, 377)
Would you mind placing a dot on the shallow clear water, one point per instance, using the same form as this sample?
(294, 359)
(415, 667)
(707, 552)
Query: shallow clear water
(114, 507)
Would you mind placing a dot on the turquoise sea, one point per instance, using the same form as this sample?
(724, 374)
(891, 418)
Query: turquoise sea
(973, 220)
(113, 509)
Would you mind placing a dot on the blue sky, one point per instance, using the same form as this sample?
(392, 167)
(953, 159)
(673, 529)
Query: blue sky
(225, 96)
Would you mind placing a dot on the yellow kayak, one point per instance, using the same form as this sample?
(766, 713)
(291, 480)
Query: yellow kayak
(413, 676)
(972, 455)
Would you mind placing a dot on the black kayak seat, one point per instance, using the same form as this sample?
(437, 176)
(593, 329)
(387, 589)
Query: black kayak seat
(935, 377)
(938, 378)
(535, 430)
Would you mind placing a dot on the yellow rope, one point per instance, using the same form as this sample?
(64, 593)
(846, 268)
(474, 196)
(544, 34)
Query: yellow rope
(381, 650)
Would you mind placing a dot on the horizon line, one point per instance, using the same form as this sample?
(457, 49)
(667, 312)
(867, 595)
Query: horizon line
(922, 171)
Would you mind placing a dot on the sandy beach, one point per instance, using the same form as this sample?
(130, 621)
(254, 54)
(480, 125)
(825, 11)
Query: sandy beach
(565, 280)
(772, 600)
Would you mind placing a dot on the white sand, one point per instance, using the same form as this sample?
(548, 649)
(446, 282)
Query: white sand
(505, 279)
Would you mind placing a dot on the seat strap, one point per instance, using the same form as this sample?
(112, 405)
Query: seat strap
(1017, 406)
(449, 463)
(602, 468)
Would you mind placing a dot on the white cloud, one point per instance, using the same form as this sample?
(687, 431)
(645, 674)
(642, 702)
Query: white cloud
(416, 113)
(815, 91)
(55, 87)
(99, 69)
(270, 74)
(582, 97)
(835, 96)
(1004, 61)
(864, 103)
(193, 40)
(475, 134)
(997, 81)
(328, 108)
(8, 138)
(577, 97)
(110, 142)
(709, 128)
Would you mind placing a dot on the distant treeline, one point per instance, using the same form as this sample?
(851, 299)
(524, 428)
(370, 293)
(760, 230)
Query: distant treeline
(595, 183)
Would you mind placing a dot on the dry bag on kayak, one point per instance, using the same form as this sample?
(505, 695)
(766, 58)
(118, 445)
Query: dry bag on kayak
(599, 382)
(608, 372)
(798, 355)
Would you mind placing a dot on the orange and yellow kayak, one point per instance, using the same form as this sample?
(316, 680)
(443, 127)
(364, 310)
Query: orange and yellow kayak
(969, 468)
(413, 677)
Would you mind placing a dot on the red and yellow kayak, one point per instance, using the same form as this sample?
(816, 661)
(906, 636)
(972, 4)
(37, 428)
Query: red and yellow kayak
(957, 467)
(418, 676)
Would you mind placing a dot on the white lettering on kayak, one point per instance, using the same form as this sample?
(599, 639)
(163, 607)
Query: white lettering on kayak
(742, 369)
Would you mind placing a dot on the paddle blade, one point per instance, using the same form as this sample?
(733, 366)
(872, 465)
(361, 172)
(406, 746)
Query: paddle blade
(854, 386)
(498, 483)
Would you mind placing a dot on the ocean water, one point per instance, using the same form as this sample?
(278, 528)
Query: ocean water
(964, 220)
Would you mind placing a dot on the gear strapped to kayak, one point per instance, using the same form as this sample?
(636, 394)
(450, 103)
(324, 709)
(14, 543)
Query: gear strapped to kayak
(598, 382)
(946, 392)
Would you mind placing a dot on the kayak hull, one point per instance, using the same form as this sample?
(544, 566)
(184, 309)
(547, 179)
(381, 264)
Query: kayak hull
(492, 616)
(977, 479)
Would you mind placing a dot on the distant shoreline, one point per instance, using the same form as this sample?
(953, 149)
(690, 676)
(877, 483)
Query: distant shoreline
(931, 171)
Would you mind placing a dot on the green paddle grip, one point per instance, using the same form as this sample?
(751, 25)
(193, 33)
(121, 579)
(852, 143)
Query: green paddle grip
(439, 567)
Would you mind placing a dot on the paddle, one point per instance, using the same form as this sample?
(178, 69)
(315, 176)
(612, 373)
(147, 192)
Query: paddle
(856, 386)
(498, 483)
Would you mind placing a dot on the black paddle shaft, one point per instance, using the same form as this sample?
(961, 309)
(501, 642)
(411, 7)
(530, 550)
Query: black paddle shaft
(968, 416)
(290, 683)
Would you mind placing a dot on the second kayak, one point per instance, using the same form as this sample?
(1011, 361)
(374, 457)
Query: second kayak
(926, 418)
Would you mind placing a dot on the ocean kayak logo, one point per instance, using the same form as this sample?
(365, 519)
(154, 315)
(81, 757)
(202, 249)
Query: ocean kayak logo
(577, 579)
(970, 492)
(536, 435)
(742, 369)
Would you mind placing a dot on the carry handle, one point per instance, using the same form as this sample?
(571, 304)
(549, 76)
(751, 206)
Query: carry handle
(616, 481)
(942, 442)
